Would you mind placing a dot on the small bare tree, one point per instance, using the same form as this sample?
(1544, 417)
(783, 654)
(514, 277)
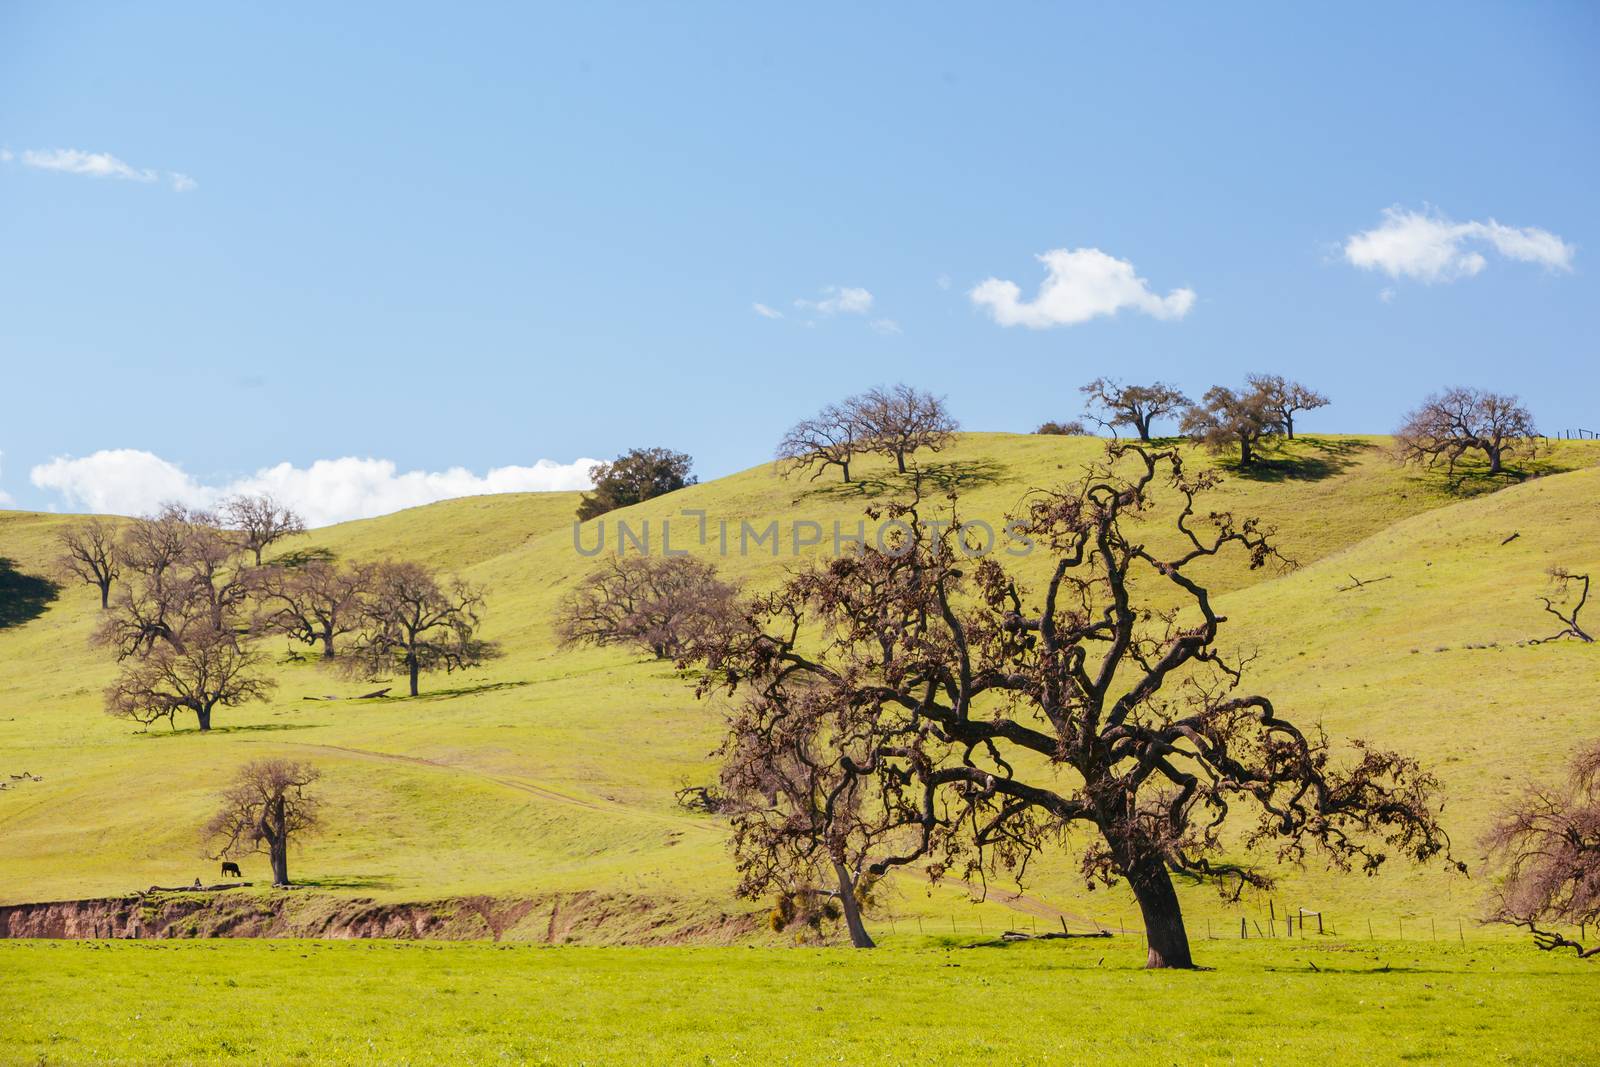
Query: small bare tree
(260, 521)
(208, 670)
(1112, 404)
(798, 832)
(1550, 844)
(89, 553)
(1563, 581)
(1284, 399)
(1451, 424)
(900, 420)
(414, 620)
(830, 439)
(1226, 419)
(660, 603)
(312, 602)
(265, 810)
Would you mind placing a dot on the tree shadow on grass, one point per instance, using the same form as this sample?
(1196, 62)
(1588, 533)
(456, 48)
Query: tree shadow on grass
(23, 597)
(944, 477)
(466, 690)
(1313, 459)
(257, 728)
(351, 882)
(1472, 479)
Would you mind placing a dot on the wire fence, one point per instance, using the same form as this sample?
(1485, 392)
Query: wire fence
(1272, 923)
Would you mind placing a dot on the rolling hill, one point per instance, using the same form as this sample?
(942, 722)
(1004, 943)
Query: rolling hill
(547, 778)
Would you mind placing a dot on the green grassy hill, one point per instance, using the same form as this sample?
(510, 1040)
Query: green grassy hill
(549, 775)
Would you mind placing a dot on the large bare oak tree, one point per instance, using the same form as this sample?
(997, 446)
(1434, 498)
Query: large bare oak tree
(966, 723)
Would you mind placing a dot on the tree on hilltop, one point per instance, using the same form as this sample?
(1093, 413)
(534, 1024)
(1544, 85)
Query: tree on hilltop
(831, 438)
(1227, 419)
(636, 476)
(1284, 399)
(1451, 424)
(900, 420)
(1111, 404)
(965, 724)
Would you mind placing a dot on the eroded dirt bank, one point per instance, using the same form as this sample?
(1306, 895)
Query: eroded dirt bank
(555, 918)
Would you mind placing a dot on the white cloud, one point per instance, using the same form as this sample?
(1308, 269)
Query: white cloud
(884, 326)
(5, 498)
(766, 312)
(1431, 248)
(837, 300)
(97, 165)
(92, 164)
(6, 156)
(129, 481)
(1080, 284)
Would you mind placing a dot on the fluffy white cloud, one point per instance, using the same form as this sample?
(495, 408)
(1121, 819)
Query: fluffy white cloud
(765, 312)
(1431, 248)
(97, 165)
(129, 481)
(836, 300)
(1080, 284)
(5, 498)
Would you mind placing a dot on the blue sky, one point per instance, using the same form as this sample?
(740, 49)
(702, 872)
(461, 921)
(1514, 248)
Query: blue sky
(241, 237)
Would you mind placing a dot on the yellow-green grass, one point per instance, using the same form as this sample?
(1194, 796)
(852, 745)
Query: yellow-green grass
(553, 770)
(913, 1002)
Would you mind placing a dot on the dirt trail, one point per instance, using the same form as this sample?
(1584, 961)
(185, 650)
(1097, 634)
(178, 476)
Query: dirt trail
(519, 784)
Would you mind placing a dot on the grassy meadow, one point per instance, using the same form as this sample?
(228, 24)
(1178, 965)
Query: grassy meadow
(549, 774)
(912, 1001)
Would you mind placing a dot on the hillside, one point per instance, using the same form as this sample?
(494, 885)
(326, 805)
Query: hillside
(550, 774)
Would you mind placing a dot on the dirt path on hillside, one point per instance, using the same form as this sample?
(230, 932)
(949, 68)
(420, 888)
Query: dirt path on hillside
(521, 785)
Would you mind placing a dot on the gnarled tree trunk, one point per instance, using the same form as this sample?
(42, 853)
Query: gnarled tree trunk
(1163, 919)
(852, 910)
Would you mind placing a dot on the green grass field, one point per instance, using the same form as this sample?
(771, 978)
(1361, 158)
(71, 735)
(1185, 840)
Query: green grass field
(549, 775)
(910, 1002)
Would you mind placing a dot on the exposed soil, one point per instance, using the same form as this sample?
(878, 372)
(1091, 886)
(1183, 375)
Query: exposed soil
(557, 918)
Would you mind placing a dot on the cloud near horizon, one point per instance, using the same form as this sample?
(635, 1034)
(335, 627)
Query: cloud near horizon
(98, 165)
(130, 481)
(1080, 284)
(1430, 248)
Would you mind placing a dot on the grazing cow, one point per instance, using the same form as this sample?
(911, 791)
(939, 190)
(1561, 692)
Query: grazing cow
(230, 867)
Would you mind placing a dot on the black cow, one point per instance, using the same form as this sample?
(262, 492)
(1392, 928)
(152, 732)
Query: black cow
(230, 867)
